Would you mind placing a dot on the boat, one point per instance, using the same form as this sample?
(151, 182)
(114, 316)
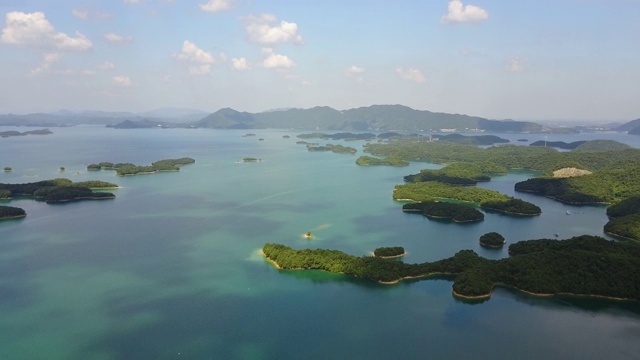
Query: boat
(568, 212)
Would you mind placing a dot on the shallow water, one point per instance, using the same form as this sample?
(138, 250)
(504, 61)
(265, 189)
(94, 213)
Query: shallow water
(171, 269)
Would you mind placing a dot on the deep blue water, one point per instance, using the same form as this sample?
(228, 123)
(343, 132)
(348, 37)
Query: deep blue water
(170, 269)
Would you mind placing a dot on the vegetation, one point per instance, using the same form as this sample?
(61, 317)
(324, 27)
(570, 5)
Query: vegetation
(558, 144)
(339, 149)
(338, 136)
(123, 169)
(625, 207)
(605, 186)
(10, 212)
(459, 173)
(57, 190)
(492, 239)
(507, 156)
(445, 210)
(512, 206)
(389, 252)
(388, 161)
(602, 145)
(251, 159)
(472, 140)
(584, 265)
(626, 226)
(489, 199)
(7, 169)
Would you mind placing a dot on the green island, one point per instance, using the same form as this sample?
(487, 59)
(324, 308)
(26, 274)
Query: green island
(251, 159)
(458, 173)
(58, 190)
(7, 169)
(595, 172)
(389, 252)
(124, 169)
(458, 212)
(338, 149)
(338, 136)
(387, 161)
(10, 212)
(486, 199)
(583, 266)
(492, 240)
(24, 133)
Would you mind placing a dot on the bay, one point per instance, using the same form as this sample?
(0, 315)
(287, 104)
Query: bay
(170, 268)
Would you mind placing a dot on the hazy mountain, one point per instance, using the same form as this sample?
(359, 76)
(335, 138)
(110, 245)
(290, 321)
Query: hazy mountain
(228, 118)
(628, 125)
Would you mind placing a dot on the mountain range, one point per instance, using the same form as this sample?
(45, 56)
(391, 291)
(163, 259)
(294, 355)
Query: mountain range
(370, 118)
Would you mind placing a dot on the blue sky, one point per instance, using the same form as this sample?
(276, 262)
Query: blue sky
(530, 60)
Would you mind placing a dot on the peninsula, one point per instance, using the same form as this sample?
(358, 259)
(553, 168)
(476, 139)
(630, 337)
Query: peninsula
(584, 265)
(125, 169)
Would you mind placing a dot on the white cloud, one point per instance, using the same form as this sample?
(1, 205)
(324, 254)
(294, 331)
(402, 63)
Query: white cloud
(276, 61)
(80, 14)
(240, 64)
(260, 31)
(199, 60)
(411, 74)
(354, 70)
(516, 64)
(107, 65)
(216, 5)
(35, 30)
(121, 81)
(459, 12)
(117, 39)
(48, 60)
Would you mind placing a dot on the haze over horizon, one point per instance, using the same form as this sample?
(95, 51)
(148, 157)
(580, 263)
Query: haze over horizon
(525, 60)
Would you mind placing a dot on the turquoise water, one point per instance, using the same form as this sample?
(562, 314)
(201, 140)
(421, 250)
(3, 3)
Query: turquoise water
(170, 269)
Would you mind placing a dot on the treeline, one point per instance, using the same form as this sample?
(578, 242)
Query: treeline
(507, 156)
(459, 173)
(445, 210)
(338, 136)
(57, 190)
(584, 265)
(493, 200)
(624, 219)
(123, 169)
(388, 161)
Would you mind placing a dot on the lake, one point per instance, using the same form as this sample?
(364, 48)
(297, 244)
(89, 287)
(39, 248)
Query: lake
(170, 269)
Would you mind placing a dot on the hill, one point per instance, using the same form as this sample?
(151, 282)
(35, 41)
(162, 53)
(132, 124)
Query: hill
(628, 126)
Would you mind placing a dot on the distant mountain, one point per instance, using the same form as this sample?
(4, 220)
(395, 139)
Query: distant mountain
(634, 131)
(628, 125)
(375, 117)
(228, 118)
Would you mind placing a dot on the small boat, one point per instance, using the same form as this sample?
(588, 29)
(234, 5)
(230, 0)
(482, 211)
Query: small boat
(568, 212)
(556, 234)
(308, 235)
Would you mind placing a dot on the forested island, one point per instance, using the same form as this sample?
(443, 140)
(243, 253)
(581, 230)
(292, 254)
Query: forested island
(458, 212)
(10, 212)
(338, 149)
(584, 265)
(595, 172)
(25, 133)
(123, 169)
(389, 252)
(374, 161)
(492, 240)
(486, 199)
(459, 173)
(58, 190)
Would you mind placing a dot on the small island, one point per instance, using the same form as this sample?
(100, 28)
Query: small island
(387, 161)
(457, 212)
(30, 132)
(10, 212)
(125, 169)
(7, 169)
(338, 149)
(492, 240)
(251, 159)
(389, 252)
(58, 190)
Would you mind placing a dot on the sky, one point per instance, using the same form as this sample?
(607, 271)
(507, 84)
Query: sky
(499, 59)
